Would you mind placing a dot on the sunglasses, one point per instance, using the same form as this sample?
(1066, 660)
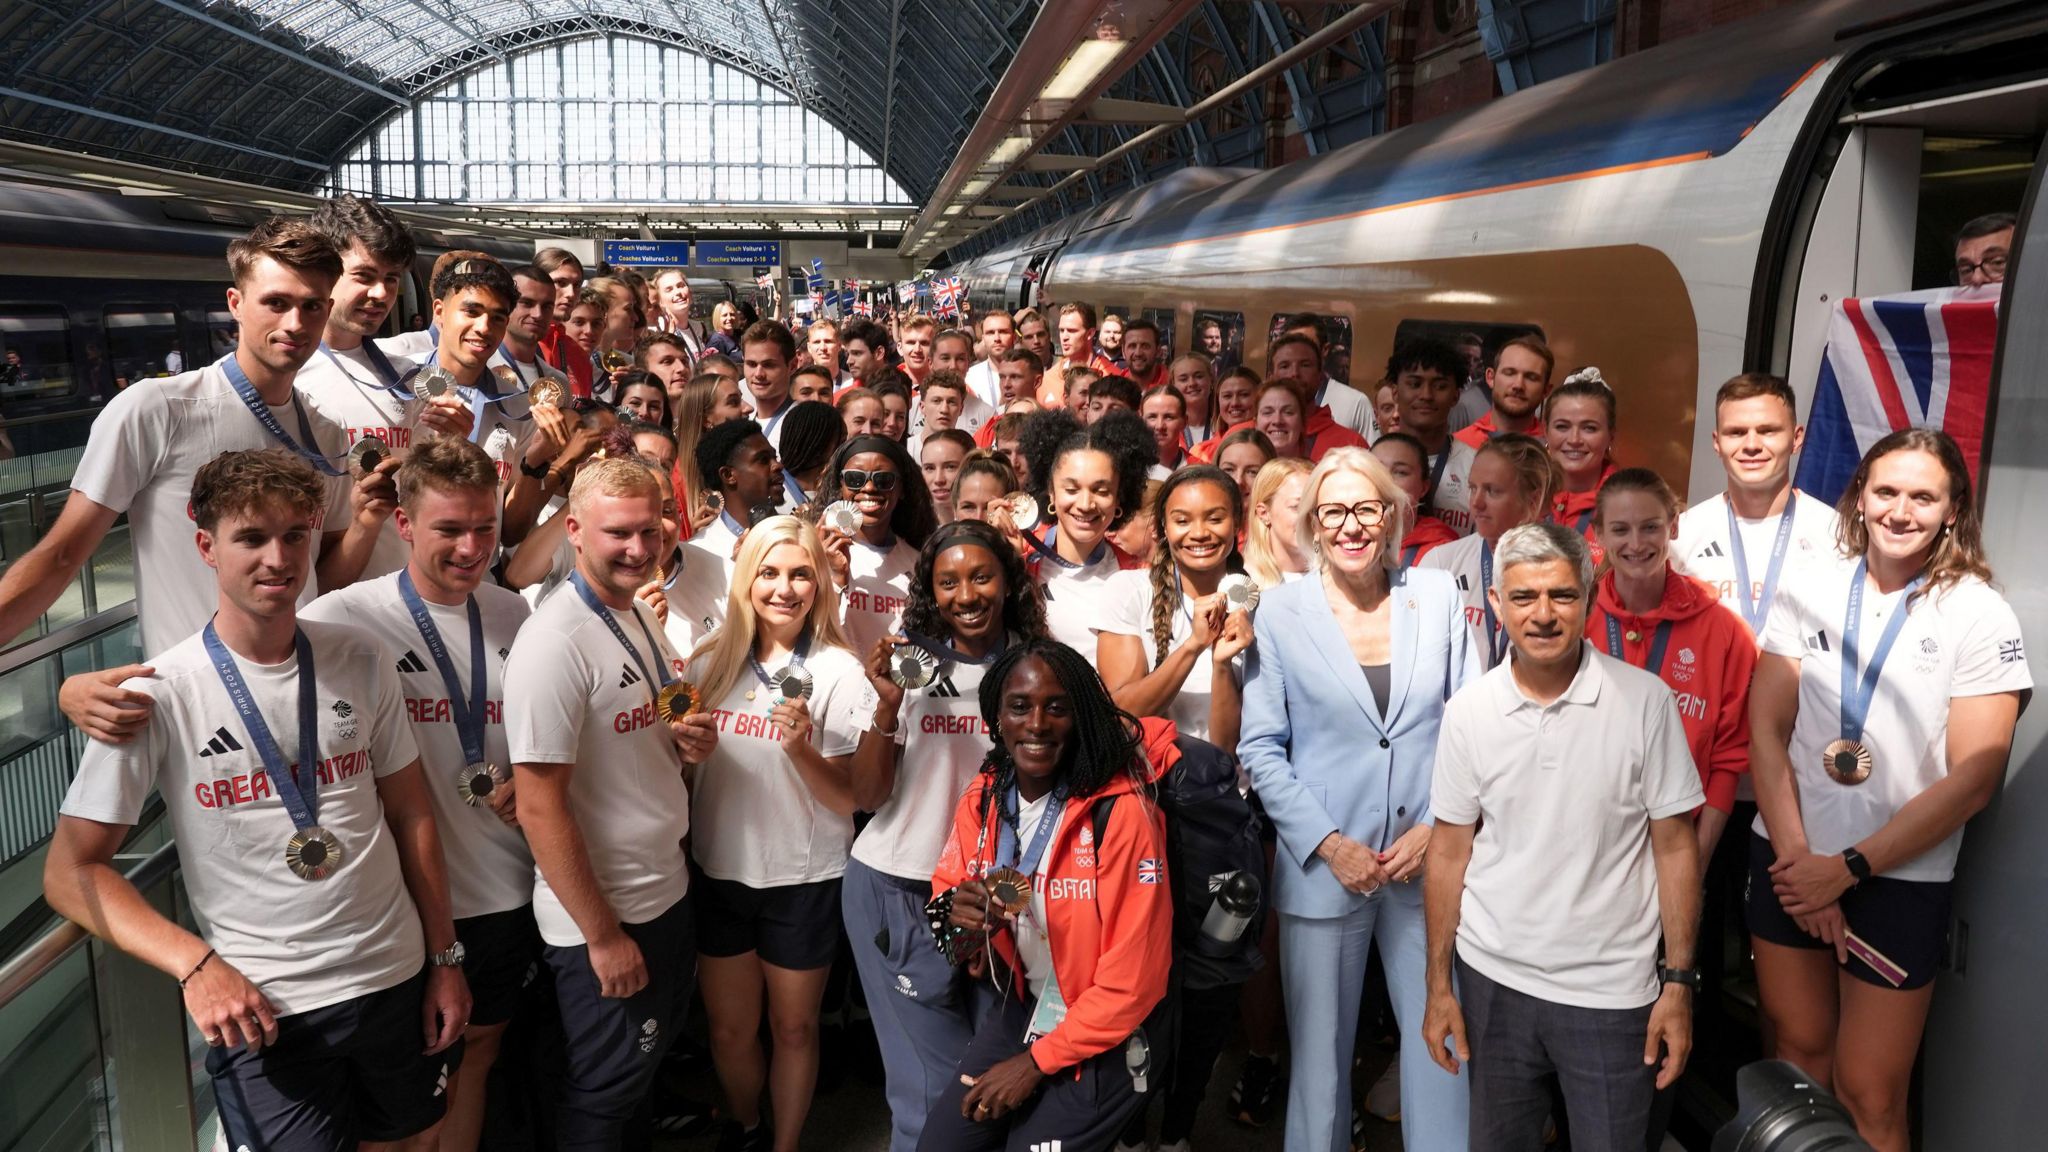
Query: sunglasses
(854, 479)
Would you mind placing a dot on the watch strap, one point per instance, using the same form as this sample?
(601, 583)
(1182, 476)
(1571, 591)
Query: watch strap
(1690, 977)
(1859, 867)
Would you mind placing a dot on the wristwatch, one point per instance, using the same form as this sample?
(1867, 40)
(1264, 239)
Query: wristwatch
(534, 473)
(1858, 866)
(1690, 977)
(452, 957)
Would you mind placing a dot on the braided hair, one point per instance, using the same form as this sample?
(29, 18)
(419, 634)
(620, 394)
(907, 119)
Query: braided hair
(811, 432)
(1023, 608)
(1106, 740)
(1165, 573)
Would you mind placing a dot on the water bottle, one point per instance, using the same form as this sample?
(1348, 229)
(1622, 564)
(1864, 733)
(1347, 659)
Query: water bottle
(1236, 902)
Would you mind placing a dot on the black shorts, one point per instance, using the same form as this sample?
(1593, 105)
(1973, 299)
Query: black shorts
(336, 1076)
(501, 956)
(794, 926)
(1906, 920)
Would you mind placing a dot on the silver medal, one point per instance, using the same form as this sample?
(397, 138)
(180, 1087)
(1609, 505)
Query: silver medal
(842, 516)
(312, 853)
(1240, 592)
(477, 782)
(791, 683)
(367, 454)
(911, 666)
(433, 381)
(1024, 511)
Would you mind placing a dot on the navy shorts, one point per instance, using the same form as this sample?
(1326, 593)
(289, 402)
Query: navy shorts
(336, 1076)
(1906, 920)
(501, 956)
(794, 926)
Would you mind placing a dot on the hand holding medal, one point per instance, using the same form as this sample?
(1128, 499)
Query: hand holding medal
(881, 670)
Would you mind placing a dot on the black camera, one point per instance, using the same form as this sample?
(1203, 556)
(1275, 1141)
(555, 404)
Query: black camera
(1781, 1109)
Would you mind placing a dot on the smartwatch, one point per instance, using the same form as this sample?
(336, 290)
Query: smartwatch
(451, 957)
(1858, 866)
(534, 473)
(1690, 977)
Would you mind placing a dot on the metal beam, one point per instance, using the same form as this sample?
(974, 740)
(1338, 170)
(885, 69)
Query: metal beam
(1053, 162)
(889, 82)
(1109, 110)
(447, 20)
(298, 57)
(146, 126)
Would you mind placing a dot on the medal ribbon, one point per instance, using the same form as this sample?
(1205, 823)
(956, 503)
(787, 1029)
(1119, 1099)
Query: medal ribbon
(469, 712)
(1046, 549)
(303, 806)
(1758, 611)
(726, 517)
(1496, 643)
(656, 680)
(379, 364)
(1041, 833)
(1858, 692)
(1661, 637)
(796, 660)
(795, 491)
(264, 416)
(945, 651)
(1436, 475)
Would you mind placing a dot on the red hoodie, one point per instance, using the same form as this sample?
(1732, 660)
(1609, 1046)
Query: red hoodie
(1574, 510)
(1708, 660)
(1109, 913)
(559, 350)
(1321, 434)
(1425, 534)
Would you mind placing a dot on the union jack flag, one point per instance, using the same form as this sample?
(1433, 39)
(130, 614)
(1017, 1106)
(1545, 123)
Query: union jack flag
(1151, 870)
(946, 291)
(1918, 360)
(766, 280)
(863, 308)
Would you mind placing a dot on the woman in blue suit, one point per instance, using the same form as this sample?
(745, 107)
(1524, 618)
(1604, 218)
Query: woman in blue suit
(1344, 693)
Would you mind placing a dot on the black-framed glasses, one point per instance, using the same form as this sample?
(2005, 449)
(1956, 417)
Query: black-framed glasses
(1368, 512)
(1992, 266)
(855, 479)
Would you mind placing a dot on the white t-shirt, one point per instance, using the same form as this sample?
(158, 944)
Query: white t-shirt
(700, 592)
(1453, 500)
(1704, 551)
(305, 943)
(1034, 946)
(757, 822)
(416, 344)
(345, 388)
(1963, 641)
(1463, 559)
(1129, 613)
(877, 588)
(941, 742)
(503, 426)
(143, 451)
(1560, 897)
(1077, 600)
(984, 383)
(574, 696)
(490, 868)
(1348, 406)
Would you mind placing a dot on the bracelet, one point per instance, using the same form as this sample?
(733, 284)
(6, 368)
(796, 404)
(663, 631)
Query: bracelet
(210, 954)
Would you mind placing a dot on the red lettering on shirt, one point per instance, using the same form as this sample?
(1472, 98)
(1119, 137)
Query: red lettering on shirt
(429, 710)
(954, 726)
(635, 719)
(396, 437)
(254, 787)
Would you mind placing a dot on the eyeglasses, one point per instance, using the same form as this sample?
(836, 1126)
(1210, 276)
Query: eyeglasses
(854, 479)
(1993, 266)
(1368, 512)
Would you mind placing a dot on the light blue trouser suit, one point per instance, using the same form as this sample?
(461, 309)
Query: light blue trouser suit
(1322, 965)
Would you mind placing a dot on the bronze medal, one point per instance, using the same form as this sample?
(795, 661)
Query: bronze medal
(1009, 890)
(312, 853)
(677, 700)
(547, 392)
(1847, 761)
(476, 783)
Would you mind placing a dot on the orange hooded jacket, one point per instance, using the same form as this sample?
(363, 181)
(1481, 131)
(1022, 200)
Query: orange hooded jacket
(1109, 908)
(1707, 664)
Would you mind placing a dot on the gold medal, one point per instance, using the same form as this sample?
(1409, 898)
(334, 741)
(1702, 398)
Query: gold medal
(312, 853)
(676, 701)
(1847, 761)
(476, 783)
(507, 379)
(1010, 890)
(612, 359)
(547, 392)
(367, 454)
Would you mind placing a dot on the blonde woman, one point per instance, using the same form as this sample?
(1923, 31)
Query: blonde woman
(707, 399)
(1272, 553)
(771, 819)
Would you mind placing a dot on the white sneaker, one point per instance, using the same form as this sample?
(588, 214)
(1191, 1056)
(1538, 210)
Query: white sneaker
(1383, 1099)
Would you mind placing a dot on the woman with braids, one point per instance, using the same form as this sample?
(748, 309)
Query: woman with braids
(811, 434)
(872, 565)
(1272, 554)
(1087, 481)
(1342, 705)
(1169, 645)
(1512, 481)
(1052, 889)
(920, 746)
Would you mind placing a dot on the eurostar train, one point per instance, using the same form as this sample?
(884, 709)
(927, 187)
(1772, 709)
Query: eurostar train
(1677, 217)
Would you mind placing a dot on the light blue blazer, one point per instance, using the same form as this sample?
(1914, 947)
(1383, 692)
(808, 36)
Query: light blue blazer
(1319, 755)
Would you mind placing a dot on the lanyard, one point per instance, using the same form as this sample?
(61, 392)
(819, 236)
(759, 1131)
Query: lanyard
(264, 416)
(1655, 664)
(469, 713)
(1585, 518)
(1041, 833)
(1496, 643)
(1858, 692)
(655, 680)
(725, 517)
(795, 491)
(1757, 610)
(1436, 474)
(769, 425)
(379, 363)
(1046, 549)
(796, 660)
(303, 806)
(1408, 555)
(945, 651)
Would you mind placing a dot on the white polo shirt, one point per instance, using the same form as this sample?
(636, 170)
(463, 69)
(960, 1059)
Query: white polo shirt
(984, 383)
(1961, 641)
(573, 695)
(1704, 551)
(700, 592)
(1348, 406)
(941, 742)
(1560, 898)
(1465, 561)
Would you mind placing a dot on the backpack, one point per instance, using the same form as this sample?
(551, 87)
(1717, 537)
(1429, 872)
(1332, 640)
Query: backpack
(1212, 834)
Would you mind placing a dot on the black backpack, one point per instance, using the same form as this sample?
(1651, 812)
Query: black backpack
(1212, 834)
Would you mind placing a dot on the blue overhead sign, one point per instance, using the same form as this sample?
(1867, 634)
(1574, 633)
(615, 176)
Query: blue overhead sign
(748, 253)
(666, 252)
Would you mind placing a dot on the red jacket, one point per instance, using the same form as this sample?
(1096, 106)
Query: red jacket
(1322, 434)
(1425, 534)
(1574, 510)
(1707, 663)
(1476, 434)
(1109, 912)
(557, 349)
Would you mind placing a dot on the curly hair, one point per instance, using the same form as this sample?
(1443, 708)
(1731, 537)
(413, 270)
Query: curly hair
(1106, 739)
(1050, 436)
(913, 518)
(1165, 572)
(1023, 607)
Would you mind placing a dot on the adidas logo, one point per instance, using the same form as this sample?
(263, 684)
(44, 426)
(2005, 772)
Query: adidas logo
(1046, 1146)
(441, 1082)
(1712, 551)
(1818, 641)
(944, 688)
(411, 662)
(627, 677)
(1464, 583)
(223, 742)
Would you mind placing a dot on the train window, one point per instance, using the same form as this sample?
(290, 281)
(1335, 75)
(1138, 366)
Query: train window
(1220, 337)
(1336, 348)
(35, 350)
(220, 335)
(1163, 318)
(139, 337)
(1477, 342)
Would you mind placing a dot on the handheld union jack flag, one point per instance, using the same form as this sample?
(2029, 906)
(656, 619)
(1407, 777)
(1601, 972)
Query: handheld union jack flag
(946, 292)
(863, 308)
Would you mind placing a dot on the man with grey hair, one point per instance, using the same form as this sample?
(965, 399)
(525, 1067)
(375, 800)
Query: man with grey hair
(1563, 796)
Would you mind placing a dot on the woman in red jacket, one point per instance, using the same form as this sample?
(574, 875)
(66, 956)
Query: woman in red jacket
(1655, 618)
(1053, 887)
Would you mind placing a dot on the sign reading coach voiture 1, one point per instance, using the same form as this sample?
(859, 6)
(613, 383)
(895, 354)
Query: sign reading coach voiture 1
(738, 253)
(646, 252)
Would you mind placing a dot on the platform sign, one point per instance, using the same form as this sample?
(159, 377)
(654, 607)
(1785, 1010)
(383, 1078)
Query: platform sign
(647, 252)
(738, 253)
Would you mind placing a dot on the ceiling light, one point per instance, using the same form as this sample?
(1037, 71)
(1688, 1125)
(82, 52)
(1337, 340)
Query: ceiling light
(1090, 59)
(1006, 152)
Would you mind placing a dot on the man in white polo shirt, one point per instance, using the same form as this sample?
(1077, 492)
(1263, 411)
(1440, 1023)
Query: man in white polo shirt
(603, 804)
(1563, 796)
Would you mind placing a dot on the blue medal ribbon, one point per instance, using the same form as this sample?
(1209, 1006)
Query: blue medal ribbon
(1658, 639)
(1496, 642)
(1859, 691)
(659, 677)
(945, 651)
(386, 370)
(795, 491)
(1757, 610)
(769, 425)
(1436, 474)
(301, 802)
(253, 400)
(725, 517)
(1041, 833)
(796, 660)
(469, 713)
(1047, 549)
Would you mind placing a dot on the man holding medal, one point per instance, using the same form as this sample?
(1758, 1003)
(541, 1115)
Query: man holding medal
(596, 719)
(328, 984)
